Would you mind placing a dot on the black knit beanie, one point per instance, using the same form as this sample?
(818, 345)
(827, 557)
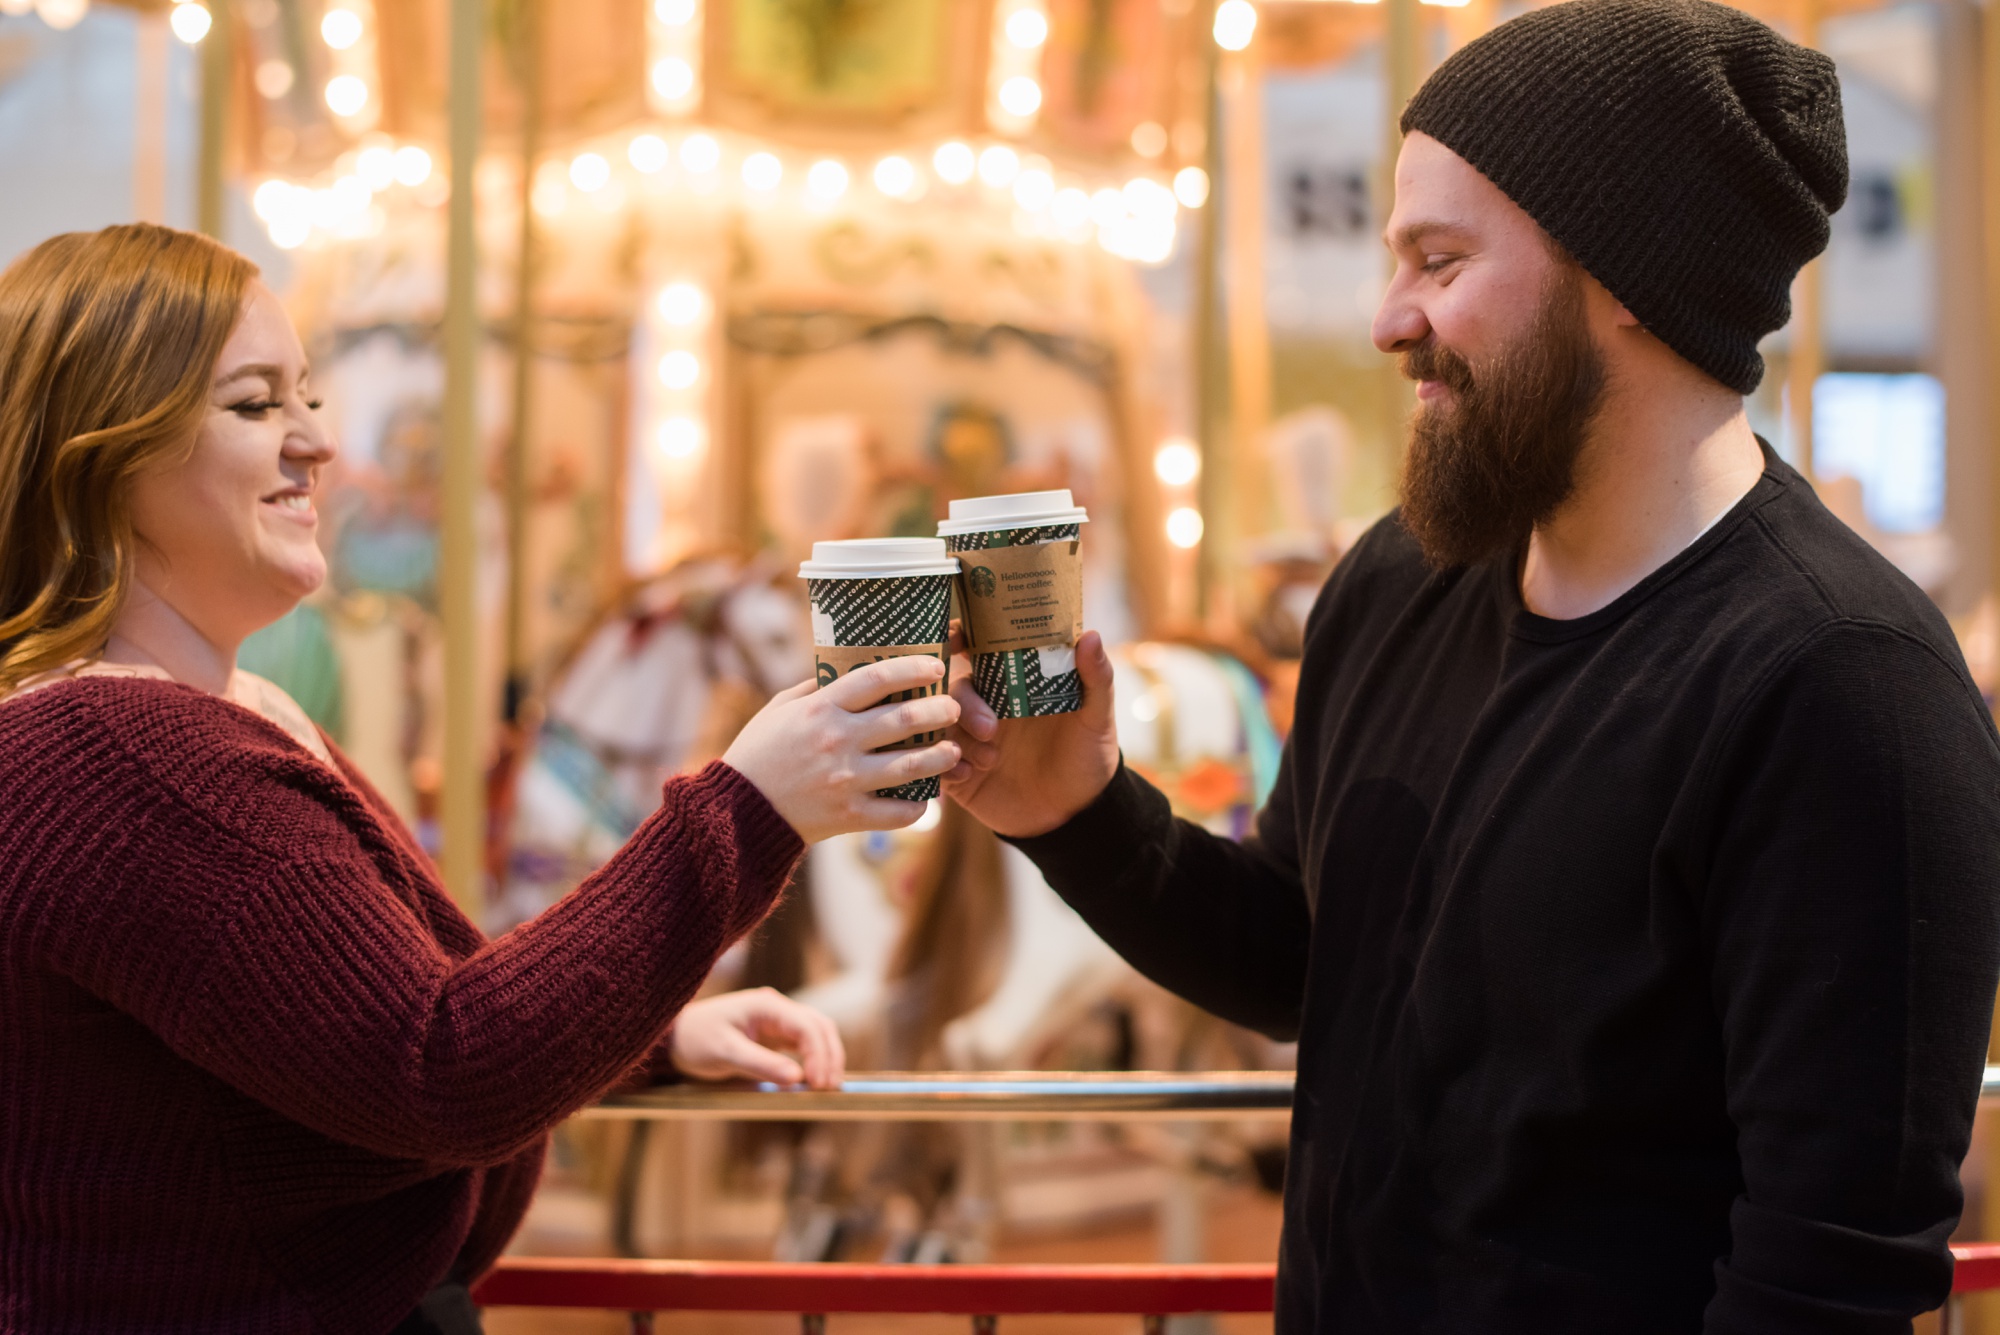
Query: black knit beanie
(1684, 153)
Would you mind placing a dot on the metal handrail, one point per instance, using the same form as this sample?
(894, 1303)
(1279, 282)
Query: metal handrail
(992, 1096)
(984, 1096)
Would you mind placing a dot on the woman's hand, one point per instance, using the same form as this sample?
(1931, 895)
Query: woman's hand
(745, 1035)
(812, 753)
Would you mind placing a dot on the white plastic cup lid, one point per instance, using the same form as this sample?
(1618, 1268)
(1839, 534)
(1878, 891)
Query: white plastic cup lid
(878, 558)
(1024, 509)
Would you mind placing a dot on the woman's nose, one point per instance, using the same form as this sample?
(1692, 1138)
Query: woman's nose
(310, 440)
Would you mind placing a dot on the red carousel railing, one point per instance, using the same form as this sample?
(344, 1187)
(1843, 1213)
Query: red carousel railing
(983, 1293)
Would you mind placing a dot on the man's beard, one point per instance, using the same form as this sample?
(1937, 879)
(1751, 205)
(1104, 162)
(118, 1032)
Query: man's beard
(1502, 457)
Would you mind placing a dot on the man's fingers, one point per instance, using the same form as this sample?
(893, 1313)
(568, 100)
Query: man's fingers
(1093, 664)
(866, 686)
(975, 716)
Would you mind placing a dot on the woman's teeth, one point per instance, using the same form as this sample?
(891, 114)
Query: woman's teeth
(295, 502)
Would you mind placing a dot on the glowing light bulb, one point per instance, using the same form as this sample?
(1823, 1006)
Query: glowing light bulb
(1107, 207)
(1235, 24)
(61, 15)
(1148, 200)
(1070, 208)
(998, 166)
(894, 176)
(1027, 28)
(679, 437)
(413, 165)
(1191, 187)
(675, 13)
(340, 29)
(346, 95)
(763, 171)
(589, 172)
(827, 179)
(680, 303)
(1034, 188)
(270, 199)
(289, 233)
(273, 77)
(647, 153)
(376, 166)
(191, 23)
(1177, 462)
(700, 153)
(679, 370)
(1020, 96)
(954, 162)
(1184, 527)
(673, 78)
(1149, 139)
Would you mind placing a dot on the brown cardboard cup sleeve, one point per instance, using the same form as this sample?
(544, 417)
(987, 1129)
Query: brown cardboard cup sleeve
(1022, 597)
(831, 662)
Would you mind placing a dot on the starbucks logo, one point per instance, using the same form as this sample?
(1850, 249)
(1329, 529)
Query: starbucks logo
(982, 582)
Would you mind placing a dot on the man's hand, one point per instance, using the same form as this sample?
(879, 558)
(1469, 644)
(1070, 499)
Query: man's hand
(1023, 777)
(746, 1035)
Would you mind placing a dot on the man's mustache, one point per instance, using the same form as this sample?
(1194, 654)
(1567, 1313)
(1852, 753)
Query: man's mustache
(1430, 360)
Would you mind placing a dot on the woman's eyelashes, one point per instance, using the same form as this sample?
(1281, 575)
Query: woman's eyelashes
(265, 407)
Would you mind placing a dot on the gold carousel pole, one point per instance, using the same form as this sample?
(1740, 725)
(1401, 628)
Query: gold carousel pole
(1807, 357)
(1240, 511)
(462, 814)
(1987, 139)
(1210, 381)
(218, 64)
(1402, 59)
(529, 67)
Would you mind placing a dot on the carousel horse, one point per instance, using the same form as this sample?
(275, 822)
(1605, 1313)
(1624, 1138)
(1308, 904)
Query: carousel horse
(659, 686)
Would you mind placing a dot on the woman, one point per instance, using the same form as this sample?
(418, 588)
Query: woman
(257, 1073)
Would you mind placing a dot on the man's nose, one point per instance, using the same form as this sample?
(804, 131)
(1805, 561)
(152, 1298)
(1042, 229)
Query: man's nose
(1399, 325)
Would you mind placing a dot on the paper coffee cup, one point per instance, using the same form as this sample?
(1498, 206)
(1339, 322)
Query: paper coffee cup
(1021, 598)
(877, 598)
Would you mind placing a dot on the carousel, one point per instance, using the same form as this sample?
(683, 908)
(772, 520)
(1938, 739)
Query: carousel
(620, 306)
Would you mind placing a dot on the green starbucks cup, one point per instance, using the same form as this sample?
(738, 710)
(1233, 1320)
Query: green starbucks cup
(877, 598)
(1020, 593)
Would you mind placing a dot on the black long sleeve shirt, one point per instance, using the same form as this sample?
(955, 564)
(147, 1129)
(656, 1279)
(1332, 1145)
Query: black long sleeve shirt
(1641, 964)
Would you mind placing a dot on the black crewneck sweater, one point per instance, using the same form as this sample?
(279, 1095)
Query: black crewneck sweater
(1641, 964)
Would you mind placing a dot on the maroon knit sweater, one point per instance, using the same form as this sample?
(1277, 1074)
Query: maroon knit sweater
(257, 1073)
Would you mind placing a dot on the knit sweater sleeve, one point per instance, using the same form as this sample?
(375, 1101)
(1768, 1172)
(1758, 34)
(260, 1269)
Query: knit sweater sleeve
(251, 913)
(1850, 908)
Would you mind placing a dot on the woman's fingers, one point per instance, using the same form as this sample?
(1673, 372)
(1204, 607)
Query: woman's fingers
(798, 692)
(885, 725)
(866, 686)
(892, 769)
(758, 1062)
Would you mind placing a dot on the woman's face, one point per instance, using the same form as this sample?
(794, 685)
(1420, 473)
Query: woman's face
(229, 531)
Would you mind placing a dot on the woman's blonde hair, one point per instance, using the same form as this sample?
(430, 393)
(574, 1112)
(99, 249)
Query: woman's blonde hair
(108, 345)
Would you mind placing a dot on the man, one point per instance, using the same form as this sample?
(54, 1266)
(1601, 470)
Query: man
(1629, 882)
